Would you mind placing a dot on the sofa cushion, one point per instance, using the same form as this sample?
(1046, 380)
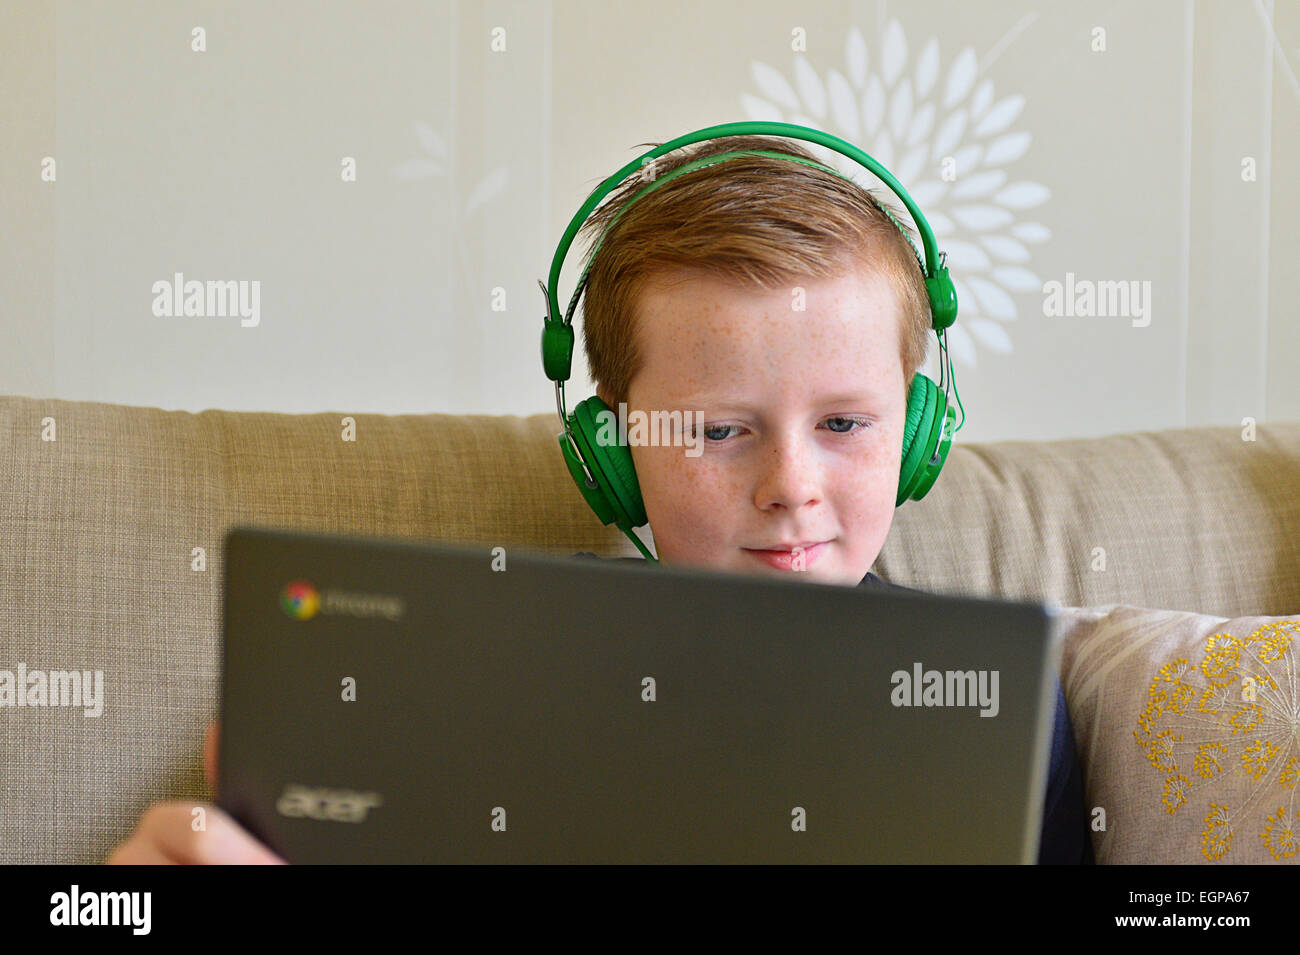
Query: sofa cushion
(1187, 730)
(1200, 519)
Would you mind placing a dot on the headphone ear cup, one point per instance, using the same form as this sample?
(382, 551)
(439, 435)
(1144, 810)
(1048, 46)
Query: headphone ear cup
(593, 494)
(926, 428)
(610, 463)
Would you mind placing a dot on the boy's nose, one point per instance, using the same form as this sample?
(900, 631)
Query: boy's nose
(791, 477)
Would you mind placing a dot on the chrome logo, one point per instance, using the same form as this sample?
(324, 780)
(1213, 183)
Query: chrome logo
(300, 600)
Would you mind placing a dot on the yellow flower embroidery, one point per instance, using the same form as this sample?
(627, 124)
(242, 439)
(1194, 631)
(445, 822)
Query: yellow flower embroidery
(1222, 656)
(1279, 835)
(1214, 697)
(1172, 672)
(1160, 751)
(1254, 760)
(1216, 837)
(1175, 793)
(1207, 764)
(1246, 718)
(1291, 774)
(1277, 644)
(1179, 697)
(1232, 714)
(1169, 674)
(1153, 709)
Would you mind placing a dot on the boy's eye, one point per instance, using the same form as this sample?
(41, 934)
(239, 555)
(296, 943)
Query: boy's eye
(844, 425)
(863, 424)
(710, 431)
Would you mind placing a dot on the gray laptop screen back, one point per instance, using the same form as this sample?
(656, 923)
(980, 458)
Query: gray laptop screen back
(395, 702)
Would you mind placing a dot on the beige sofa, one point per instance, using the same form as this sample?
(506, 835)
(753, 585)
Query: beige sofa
(113, 519)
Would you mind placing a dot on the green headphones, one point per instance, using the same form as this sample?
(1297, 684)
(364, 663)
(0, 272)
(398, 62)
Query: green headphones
(605, 474)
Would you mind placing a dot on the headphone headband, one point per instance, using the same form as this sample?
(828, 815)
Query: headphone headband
(557, 336)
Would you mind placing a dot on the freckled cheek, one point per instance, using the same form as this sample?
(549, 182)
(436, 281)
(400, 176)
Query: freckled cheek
(666, 477)
(683, 495)
(883, 472)
(872, 488)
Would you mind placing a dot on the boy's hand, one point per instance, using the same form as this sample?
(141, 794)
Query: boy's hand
(166, 835)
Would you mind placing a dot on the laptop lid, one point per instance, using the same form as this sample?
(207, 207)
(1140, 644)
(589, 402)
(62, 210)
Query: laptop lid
(385, 701)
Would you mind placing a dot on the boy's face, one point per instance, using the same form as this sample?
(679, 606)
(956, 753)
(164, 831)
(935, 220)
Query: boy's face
(784, 462)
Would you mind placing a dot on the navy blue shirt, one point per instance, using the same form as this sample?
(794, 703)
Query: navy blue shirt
(1065, 839)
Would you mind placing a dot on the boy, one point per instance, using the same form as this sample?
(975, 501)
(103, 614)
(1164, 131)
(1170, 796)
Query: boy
(783, 306)
(690, 306)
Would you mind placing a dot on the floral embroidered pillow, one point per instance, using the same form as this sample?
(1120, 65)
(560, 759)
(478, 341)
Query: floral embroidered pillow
(1188, 728)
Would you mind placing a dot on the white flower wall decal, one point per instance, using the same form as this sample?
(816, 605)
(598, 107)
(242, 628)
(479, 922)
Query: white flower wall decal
(436, 163)
(490, 186)
(917, 126)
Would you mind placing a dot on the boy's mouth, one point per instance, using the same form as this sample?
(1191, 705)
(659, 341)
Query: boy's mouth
(795, 557)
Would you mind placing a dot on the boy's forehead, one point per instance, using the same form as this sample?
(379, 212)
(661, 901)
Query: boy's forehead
(696, 326)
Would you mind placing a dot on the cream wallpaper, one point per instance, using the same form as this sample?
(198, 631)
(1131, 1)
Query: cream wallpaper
(369, 192)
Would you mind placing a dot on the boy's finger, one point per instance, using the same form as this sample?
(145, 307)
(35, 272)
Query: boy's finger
(137, 852)
(222, 842)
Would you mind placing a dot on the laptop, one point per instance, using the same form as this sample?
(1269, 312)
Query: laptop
(386, 701)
